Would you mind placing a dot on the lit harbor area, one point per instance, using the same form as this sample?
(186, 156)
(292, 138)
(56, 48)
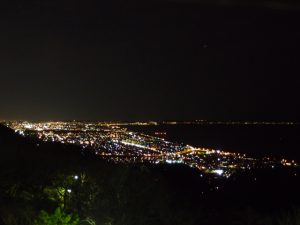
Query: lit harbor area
(118, 144)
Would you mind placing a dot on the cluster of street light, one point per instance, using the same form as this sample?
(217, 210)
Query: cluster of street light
(116, 143)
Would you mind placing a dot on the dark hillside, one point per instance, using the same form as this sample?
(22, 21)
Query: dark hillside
(38, 176)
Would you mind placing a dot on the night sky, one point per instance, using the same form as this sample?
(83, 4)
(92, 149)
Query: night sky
(95, 60)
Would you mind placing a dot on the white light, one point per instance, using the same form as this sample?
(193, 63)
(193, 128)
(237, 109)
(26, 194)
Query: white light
(219, 172)
(76, 177)
(69, 191)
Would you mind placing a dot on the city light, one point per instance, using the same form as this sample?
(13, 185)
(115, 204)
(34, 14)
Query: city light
(219, 172)
(115, 143)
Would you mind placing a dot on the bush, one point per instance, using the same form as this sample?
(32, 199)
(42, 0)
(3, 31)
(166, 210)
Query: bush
(57, 218)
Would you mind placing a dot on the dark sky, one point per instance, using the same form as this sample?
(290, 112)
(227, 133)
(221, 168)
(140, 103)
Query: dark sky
(154, 60)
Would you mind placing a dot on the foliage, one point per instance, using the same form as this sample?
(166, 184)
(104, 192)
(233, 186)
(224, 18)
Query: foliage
(117, 194)
(87, 221)
(59, 217)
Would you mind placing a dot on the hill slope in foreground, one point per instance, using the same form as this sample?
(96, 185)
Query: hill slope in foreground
(42, 183)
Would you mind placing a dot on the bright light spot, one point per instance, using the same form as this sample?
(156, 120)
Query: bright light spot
(169, 161)
(76, 177)
(69, 191)
(28, 126)
(219, 172)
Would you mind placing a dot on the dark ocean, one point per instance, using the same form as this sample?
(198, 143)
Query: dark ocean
(257, 140)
